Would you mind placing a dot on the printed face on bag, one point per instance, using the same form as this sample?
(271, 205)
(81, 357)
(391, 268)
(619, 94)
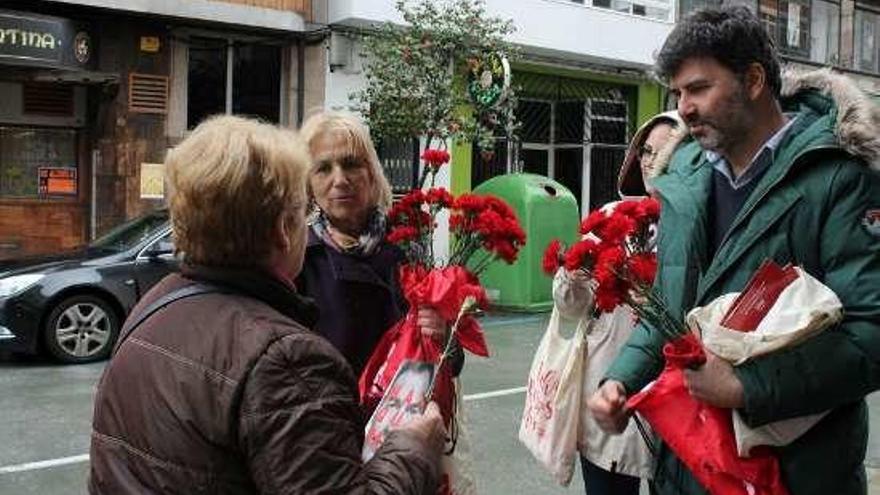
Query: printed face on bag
(404, 400)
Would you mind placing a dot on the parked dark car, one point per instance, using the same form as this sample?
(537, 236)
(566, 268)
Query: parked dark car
(72, 304)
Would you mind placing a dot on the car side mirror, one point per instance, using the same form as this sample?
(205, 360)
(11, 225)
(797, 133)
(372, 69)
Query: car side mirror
(159, 249)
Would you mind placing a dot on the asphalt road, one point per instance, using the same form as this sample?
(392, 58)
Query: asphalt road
(46, 414)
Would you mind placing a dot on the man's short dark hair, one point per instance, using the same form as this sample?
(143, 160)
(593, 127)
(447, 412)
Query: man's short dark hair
(733, 36)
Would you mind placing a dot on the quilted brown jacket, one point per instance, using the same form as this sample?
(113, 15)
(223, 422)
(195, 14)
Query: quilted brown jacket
(231, 393)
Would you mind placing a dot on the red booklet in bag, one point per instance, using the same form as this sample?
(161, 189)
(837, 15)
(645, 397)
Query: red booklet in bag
(758, 296)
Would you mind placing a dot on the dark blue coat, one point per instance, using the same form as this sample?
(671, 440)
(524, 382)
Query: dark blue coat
(359, 298)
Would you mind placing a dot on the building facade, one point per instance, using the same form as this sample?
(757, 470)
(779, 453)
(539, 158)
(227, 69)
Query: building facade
(94, 92)
(842, 34)
(584, 82)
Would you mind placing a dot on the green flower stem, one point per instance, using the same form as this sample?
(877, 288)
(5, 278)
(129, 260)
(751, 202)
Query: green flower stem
(467, 306)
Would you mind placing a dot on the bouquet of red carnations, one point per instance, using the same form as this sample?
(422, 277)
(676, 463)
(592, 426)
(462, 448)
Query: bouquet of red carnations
(617, 251)
(485, 229)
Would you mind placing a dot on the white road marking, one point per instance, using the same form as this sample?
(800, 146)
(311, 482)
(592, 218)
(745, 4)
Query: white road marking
(495, 393)
(75, 459)
(31, 466)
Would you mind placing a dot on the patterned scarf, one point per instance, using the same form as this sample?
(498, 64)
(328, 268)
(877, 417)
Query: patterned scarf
(366, 244)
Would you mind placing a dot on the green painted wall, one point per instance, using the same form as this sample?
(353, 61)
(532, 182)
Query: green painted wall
(460, 175)
(649, 102)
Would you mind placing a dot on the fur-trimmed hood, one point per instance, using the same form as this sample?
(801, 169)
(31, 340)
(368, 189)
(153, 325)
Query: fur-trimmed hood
(629, 181)
(857, 126)
(858, 117)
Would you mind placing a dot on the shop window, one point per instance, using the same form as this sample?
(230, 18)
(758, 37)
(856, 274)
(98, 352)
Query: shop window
(25, 151)
(569, 125)
(866, 33)
(535, 118)
(206, 91)
(488, 164)
(233, 77)
(52, 100)
(572, 130)
(257, 96)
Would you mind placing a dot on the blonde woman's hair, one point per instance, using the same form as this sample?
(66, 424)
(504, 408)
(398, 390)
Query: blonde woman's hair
(357, 138)
(229, 182)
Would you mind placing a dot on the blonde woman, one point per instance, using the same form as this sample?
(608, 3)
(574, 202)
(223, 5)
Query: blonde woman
(350, 269)
(217, 384)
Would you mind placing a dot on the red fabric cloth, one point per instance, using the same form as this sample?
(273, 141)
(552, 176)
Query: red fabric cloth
(445, 289)
(702, 435)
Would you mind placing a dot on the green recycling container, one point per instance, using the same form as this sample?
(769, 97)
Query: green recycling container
(546, 211)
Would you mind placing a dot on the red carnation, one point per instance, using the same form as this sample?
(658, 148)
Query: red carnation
(469, 202)
(506, 251)
(648, 211)
(616, 228)
(643, 267)
(550, 263)
(435, 158)
(403, 234)
(439, 196)
(593, 221)
(607, 298)
(582, 254)
(628, 207)
(502, 208)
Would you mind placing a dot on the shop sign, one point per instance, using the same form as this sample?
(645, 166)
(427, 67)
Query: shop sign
(29, 39)
(57, 181)
(150, 44)
(152, 181)
(488, 80)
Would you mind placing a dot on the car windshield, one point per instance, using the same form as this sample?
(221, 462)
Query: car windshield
(130, 234)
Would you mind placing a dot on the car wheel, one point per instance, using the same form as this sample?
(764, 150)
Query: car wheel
(81, 329)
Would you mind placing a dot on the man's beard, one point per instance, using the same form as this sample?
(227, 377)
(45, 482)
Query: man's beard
(711, 138)
(730, 128)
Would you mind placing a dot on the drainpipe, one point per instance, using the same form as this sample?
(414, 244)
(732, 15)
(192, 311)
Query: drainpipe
(93, 213)
(300, 80)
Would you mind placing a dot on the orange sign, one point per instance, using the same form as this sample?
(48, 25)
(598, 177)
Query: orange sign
(57, 181)
(150, 44)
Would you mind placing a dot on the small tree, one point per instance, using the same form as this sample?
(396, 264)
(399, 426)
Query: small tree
(423, 77)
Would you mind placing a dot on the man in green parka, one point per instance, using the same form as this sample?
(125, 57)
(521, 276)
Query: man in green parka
(782, 168)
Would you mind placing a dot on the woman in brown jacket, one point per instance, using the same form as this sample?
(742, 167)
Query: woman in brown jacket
(217, 385)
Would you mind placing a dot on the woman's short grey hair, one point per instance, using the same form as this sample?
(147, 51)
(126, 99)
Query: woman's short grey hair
(357, 138)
